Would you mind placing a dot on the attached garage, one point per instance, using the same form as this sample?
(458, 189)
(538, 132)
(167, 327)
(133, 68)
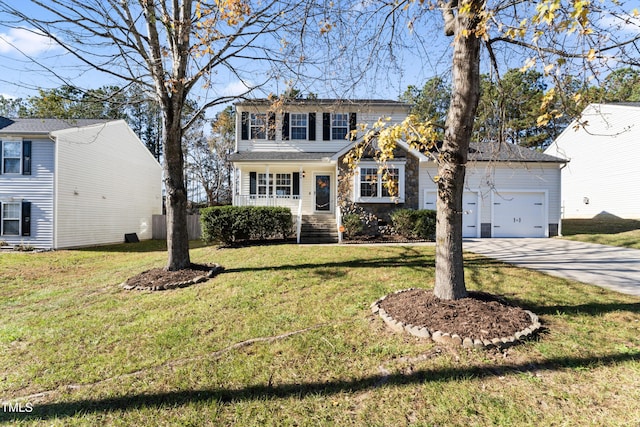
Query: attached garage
(519, 214)
(510, 191)
(470, 211)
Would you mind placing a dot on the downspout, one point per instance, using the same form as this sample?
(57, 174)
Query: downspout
(562, 207)
(54, 194)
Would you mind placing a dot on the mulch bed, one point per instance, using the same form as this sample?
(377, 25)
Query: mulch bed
(159, 279)
(480, 316)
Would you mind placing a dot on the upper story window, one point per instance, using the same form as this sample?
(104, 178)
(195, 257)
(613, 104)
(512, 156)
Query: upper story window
(375, 186)
(15, 157)
(11, 156)
(339, 125)
(258, 125)
(299, 124)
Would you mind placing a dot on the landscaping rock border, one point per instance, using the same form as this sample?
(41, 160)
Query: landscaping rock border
(447, 338)
(215, 270)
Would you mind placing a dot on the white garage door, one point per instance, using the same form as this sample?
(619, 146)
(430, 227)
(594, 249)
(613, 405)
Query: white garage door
(470, 208)
(519, 214)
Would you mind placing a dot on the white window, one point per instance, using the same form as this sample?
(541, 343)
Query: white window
(339, 125)
(379, 186)
(11, 156)
(298, 126)
(258, 123)
(283, 184)
(11, 219)
(263, 184)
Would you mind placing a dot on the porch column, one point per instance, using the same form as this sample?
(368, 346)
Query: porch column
(268, 195)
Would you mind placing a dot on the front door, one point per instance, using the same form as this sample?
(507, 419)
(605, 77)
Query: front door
(323, 193)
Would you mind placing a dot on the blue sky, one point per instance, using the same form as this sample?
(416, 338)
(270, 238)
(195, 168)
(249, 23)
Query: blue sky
(19, 77)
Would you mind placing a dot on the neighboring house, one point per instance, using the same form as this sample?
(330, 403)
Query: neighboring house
(292, 155)
(603, 152)
(74, 183)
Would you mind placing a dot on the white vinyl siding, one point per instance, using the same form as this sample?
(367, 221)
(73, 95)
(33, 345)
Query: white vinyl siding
(36, 188)
(602, 173)
(306, 145)
(108, 184)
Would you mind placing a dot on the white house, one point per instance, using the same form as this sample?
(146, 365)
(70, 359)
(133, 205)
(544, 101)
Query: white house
(291, 155)
(74, 183)
(603, 153)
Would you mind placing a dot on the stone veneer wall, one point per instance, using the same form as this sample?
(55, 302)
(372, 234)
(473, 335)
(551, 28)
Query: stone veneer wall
(383, 210)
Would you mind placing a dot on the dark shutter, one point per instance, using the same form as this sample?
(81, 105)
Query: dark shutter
(312, 126)
(1, 165)
(326, 126)
(26, 157)
(271, 126)
(244, 125)
(296, 183)
(253, 183)
(285, 127)
(26, 218)
(352, 124)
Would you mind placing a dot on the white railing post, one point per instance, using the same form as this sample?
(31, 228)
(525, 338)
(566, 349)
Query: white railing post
(299, 220)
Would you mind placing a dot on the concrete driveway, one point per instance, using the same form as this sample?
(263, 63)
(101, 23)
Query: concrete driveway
(610, 267)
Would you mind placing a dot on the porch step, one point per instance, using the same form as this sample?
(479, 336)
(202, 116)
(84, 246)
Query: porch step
(319, 229)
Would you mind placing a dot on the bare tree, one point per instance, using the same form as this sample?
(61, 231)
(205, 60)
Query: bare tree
(177, 49)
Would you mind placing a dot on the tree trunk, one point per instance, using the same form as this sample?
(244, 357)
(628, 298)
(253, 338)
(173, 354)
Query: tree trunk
(465, 92)
(176, 203)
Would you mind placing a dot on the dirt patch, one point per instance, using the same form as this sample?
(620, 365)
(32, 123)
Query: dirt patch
(480, 316)
(159, 279)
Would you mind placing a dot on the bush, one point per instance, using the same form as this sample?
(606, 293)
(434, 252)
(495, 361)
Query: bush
(228, 224)
(353, 225)
(420, 224)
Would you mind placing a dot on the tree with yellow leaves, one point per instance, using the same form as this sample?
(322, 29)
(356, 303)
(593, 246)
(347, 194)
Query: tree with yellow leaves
(559, 37)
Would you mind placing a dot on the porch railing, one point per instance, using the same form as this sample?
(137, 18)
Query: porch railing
(292, 202)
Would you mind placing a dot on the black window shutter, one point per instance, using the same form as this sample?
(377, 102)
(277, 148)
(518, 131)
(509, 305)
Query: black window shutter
(285, 127)
(326, 126)
(271, 126)
(253, 183)
(296, 183)
(26, 157)
(352, 124)
(26, 218)
(312, 126)
(244, 125)
(1, 165)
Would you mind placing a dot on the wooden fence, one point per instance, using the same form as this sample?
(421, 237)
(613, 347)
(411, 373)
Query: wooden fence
(160, 227)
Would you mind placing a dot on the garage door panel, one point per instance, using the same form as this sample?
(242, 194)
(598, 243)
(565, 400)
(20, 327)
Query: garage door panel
(470, 206)
(519, 214)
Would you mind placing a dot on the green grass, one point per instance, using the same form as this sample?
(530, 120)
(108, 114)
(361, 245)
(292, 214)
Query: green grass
(285, 337)
(605, 230)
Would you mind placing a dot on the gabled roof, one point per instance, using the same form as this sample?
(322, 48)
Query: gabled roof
(42, 126)
(504, 152)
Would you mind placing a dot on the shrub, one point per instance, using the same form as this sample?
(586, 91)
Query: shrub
(228, 224)
(411, 223)
(353, 225)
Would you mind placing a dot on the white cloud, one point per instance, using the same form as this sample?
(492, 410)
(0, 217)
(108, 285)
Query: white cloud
(29, 42)
(235, 88)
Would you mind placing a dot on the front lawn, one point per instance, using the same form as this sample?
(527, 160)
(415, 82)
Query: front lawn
(605, 230)
(285, 336)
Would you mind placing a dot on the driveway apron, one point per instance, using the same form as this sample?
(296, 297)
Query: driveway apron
(610, 267)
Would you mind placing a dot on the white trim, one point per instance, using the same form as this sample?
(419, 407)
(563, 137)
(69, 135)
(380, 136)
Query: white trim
(3, 219)
(3, 157)
(399, 198)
